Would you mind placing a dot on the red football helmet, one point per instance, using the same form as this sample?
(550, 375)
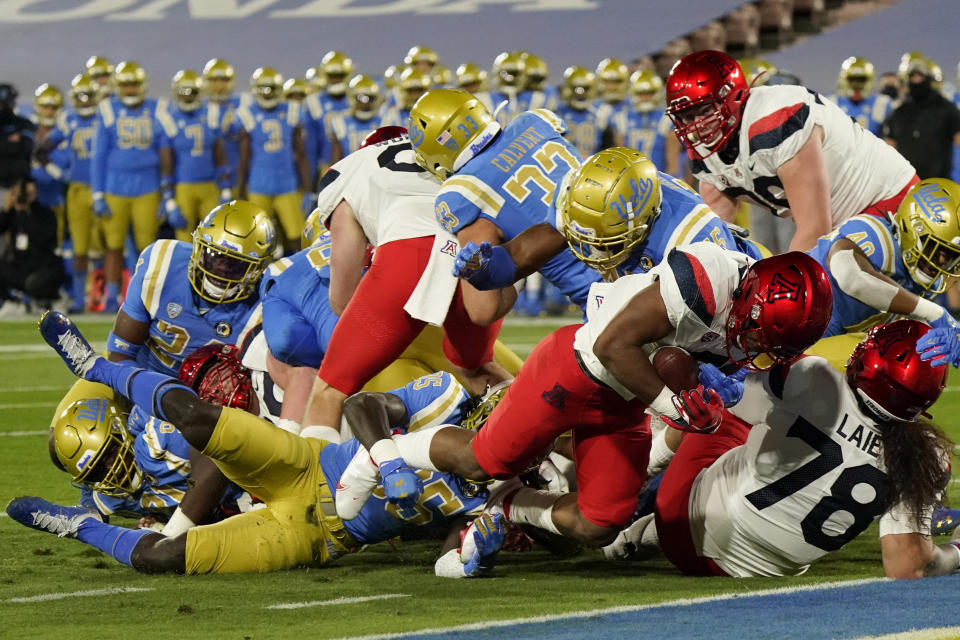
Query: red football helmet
(887, 374)
(782, 306)
(216, 374)
(706, 93)
(382, 135)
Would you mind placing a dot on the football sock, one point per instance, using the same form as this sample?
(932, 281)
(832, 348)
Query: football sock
(532, 506)
(142, 387)
(660, 454)
(79, 289)
(415, 447)
(111, 293)
(118, 542)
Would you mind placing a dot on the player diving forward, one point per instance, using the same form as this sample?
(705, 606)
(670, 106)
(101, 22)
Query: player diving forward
(826, 455)
(294, 476)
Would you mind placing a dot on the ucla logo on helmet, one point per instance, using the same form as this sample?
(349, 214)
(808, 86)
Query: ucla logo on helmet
(640, 192)
(416, 133)
(931, 200)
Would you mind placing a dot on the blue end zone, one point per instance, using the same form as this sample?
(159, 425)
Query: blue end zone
(832, 612)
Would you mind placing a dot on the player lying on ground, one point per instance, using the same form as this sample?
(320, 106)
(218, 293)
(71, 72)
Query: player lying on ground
(292, 475)
(825, 457)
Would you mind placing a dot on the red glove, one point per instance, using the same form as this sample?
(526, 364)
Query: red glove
(701, 411)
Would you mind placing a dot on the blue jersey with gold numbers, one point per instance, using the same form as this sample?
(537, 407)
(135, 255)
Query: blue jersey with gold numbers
(513, 183)
(879, 242)
(126, 160)
(180, 321)
(297, 318)
(76, 133)
(646, 132)
(192, 135)
(272, 165)
(163, 457)
(869, 113)
(430, 400)
(350, 131)
(584, 128)
(231, 133)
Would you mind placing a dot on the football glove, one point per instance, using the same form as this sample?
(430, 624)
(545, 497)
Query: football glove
(100, 207)
(940, 347)
(171, 211)
(485, 266)
(481, 542)
(730, 388)
(401, 483)
(701, 411)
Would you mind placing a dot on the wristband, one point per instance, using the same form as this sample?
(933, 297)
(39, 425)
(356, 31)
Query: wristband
(927, 310)
(178, 523)
(116, 344)
(663, 404)
(384, 451)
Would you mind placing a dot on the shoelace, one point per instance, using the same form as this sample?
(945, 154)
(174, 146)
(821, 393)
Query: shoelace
(78, 353)
(58, 524)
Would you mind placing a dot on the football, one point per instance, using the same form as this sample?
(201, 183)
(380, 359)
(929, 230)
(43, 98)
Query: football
(676, 367)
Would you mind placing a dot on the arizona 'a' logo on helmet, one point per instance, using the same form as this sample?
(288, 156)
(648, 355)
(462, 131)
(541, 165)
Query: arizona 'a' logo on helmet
(783, 288)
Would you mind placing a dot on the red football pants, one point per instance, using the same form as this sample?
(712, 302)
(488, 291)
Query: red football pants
(697, 452)
(374, 329)
(550, 396)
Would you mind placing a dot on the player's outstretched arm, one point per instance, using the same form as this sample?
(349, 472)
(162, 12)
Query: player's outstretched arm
(204, 492)
(127, 338)
(914, 555)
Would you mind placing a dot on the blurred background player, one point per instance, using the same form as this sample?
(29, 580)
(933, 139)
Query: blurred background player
(362, 117)
(311, 119)
(588, 125)
(645, 126)
(509, 85)
(273, 171)
(337, 68)
(536, 74)
(218, 76)
(782, 147)
(472, 78)
(101, 70)
(16, 141)
(413, 83)
(804, 443)
(202, 177)
(613, 84)
(422, 58)
(50, 174)
(130, 154)
(855, 95)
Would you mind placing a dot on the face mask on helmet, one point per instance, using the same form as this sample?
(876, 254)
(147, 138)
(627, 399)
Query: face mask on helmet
(928, 222)
(188, 98)
(267, 95)
(83, 96)
(217, 375)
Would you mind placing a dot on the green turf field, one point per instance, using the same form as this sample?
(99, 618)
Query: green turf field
(401, 575)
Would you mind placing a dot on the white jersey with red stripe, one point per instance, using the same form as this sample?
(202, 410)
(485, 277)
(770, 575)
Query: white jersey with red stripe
(391, 196)
(696, 283)
(809, 479)
(777, 121)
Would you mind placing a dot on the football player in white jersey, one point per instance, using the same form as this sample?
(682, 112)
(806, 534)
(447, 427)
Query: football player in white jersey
(596, 380)
(378, 196)
(826, 455)
(781, 147)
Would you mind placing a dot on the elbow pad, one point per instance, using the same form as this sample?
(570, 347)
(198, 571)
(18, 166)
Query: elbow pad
(857, 283)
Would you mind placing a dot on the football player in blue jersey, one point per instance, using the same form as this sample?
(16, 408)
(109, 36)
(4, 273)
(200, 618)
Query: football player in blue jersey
(312, 121)
(273, 169)
(510, 86)
(645, 125)
(130, 154)
(613, 78)
(586, 121)
(337, 70)
(182, 297)
(855, 95)
(535, 76)
(218, 74)
(296, 477)
(349, 129)
(101, 70)
(202, 177)
(880, 268)
(496, 183)
(50, 175)
(412, 84)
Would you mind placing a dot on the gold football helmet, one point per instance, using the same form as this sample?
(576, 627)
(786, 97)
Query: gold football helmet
(535, 72)
(364, 97)
(83, 94)
(447, 128)
(936, 75)
(266, 85)
(579, 87)
(485, 404)
(471, 77)
(187, 88)
(337, 68)
(295, 89)
(413, 84)
(508, 70)
(391, 76)
(232, 247)
(314, 77)
(131, 82)
(614, 78)
(441, 76)
(47, 102)
(756, 71)
(646, 88)
(421, 57)
(856, 77)
(91, 442)
(928, 219)
(912, 61)
(219, 76)
(313, 229)
(607, 207)
(101, 70)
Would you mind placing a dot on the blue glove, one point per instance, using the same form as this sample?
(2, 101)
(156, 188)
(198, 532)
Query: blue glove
(486, 536)
(940, 347)
(946, 321)
(309, 203)
(171, 211)
(485, 266)
(100, 208)
(729, 388)
(225, 184)
(401, 483)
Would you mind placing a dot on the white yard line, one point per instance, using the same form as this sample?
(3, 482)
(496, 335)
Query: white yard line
(28, 405)
(44, 387)
(941, 633)
(45, 597)
(337, 601)
(683, 602)
(20, 434)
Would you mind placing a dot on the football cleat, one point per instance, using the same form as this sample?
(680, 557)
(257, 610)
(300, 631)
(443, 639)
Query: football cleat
(42, 515)
(59, 332)
(944, 520)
